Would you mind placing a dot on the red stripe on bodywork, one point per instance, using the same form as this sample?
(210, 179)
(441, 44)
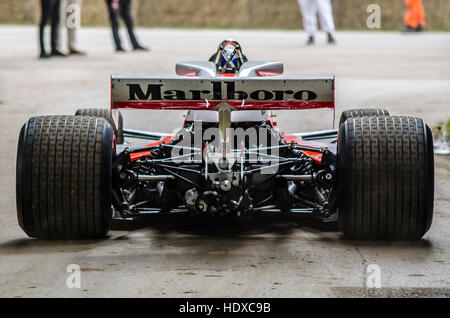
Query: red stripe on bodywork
(266, 73)
(135, 156)
(203, 105)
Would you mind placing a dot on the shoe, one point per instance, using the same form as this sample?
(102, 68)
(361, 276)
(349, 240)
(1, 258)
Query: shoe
(76, 52)
(310, 41)
(331, 39)
(141, 48)
(419, 28)
(408, 28)
(44, 55)
(120, 50)
(58, 53)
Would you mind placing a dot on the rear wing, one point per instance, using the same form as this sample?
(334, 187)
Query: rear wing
(203, 93)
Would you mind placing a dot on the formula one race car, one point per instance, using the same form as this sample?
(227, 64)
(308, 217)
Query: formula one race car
(374, 175)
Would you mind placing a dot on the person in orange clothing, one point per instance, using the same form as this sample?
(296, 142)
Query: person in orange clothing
(414, 16)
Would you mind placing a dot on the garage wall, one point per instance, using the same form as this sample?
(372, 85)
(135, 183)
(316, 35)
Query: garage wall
(349, 14)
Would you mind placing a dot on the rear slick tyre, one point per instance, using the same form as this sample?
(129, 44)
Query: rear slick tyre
(106, 114)
(386, 178)
(63, 177)
(355, 113)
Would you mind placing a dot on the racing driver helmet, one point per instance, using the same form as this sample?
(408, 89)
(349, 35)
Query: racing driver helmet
(229, 57)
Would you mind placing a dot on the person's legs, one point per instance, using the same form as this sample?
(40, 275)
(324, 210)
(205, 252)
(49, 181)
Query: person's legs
(72, 7)
(410, 17)
(420, 13)
(325, 12)
(71, 25)
(114, 19)
(414, 14)
(55, 27)
(125, 12)
(71, 38)
(45, 16)
(309, 15)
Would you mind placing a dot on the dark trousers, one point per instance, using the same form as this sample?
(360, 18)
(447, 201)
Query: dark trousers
(50, 12)
(124, 11)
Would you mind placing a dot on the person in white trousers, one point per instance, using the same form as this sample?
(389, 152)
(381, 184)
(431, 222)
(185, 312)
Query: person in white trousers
(310, 9)
(72, 15)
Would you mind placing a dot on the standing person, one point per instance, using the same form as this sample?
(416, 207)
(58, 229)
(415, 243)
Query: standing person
(72, 14)
(122, 8)
(414, 16)
(50, 12)
(310, 9)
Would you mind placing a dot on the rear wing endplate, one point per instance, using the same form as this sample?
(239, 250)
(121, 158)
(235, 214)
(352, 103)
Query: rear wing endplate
(200, 93)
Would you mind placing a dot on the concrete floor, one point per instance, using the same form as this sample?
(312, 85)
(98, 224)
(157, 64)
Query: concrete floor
(269, 257)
